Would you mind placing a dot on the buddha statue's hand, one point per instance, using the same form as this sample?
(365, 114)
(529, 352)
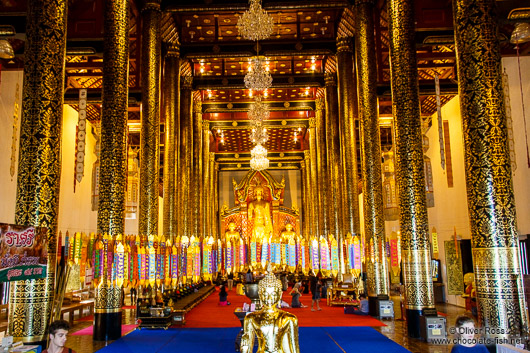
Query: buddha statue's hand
(245, 346)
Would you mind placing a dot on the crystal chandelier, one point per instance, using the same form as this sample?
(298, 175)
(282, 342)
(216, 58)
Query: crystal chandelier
(255, 24)
(259, 160)
(258, 111)
(258, 78)
(259, 134)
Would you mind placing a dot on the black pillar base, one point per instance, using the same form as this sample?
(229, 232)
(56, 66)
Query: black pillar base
(413, 323)
(107, 326)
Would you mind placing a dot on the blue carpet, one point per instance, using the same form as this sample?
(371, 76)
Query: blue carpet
(199, 340)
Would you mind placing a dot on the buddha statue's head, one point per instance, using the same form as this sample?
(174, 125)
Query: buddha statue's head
(258, 192)
(232, 226)
(289, 227)
(270, 289)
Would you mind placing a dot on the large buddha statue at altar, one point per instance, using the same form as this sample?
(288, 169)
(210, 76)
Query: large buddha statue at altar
(275, 329)
(259, 212)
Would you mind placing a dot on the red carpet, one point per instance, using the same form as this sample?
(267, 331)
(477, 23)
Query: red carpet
(210, 314)
(88, 331)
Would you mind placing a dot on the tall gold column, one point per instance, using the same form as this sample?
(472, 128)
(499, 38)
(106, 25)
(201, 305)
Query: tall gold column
(39, 166)
(185, 154)
(499, 286)
(305, 203)
(311, 216)
(216, 199)
(171, 84)
(211, 198)
(409, 164)
(113, 158)
(150, 130)
(314, 176)
(334, 170)
(374, 222)
(347, 116)
(196, 215)
(206, 204)
(322, 189)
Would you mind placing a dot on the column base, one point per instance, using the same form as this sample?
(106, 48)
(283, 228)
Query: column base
(107, 326)
(413, 323)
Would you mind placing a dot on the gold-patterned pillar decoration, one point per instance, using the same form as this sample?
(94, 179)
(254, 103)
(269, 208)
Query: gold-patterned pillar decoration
(310, 219)
(205, 219)
(314, 175)
(305, 209)
(171, 84)
(347, 115)
(216, 199)
(185, 155)
(374, 222)
(150, 130)
(333, 153)
(409, 164)
(39, 166)
(334, 170)
(113, 154)
(322, 189)
(196, 190)
(499, 286)
(211, 196)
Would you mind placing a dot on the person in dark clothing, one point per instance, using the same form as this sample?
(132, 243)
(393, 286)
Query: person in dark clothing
(223, 297)
(230, 279)
(315, 286)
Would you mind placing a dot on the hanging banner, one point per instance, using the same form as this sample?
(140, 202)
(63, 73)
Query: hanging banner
(23, 253)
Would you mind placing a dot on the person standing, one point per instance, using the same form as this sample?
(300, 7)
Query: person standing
(58, 334)
(315, 286)
(230, 281)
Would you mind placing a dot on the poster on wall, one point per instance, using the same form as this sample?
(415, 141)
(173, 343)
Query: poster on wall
(23, 252)
(455, 276)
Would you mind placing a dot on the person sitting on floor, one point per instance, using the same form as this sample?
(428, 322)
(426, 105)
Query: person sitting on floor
(223, 297)
(58, 333)
(295, 293)
(363, 308)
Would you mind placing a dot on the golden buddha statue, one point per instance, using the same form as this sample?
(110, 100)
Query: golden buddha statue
(288, 234)
(231, 233)
(259, 211)
(277, 330)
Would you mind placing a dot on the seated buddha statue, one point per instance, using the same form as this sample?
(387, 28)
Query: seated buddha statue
(288, 234)
(276, 330)
(231, 233)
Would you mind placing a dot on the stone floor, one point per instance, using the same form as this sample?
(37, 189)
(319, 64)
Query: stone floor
(396, 330)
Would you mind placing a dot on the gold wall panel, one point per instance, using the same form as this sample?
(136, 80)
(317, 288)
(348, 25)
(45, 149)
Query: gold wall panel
(488, 169)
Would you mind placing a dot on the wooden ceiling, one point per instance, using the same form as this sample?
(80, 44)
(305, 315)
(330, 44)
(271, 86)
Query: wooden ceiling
(298, 54)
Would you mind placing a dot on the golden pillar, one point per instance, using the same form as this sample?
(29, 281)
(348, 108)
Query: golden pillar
(374, 222)
(305, 208)
(39, 166)
(322, 189)
(206, 204)
(171, 84)
(347, 115)
(216, 199)
(196, 215)
(333, 168)
(185, 155)
(314, 176)
(409, 164)
(311, 216)
(150, 130)
(499, 286)
(113, 157)
(211, 198)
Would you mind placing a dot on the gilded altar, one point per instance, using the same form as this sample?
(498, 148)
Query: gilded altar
(259, 217)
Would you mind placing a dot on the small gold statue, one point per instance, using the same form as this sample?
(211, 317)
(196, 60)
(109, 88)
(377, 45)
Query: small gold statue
(277, 330)
(231, 233)
(288, 234)
(259, 211)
